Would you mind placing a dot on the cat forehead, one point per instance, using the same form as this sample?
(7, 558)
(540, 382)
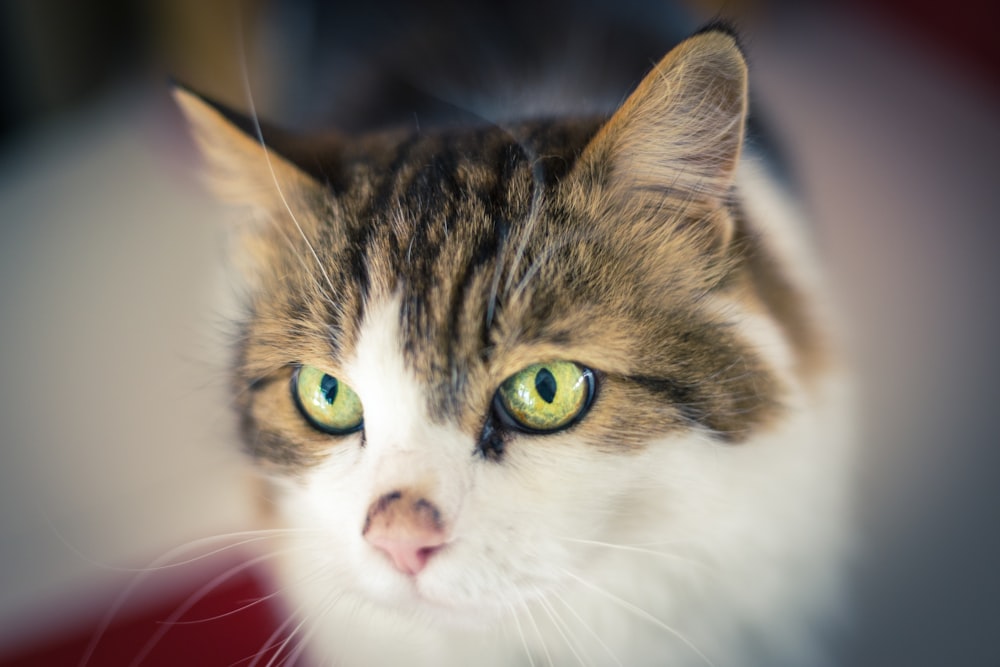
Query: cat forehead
(403, 165)
(487, 256)
(431, 216)
(444, 220)
(471, 236)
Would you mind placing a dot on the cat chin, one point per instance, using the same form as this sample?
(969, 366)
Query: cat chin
(460, 617)
(431, 603)
(434, 597)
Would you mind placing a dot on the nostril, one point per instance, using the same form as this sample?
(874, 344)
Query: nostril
(423, 553)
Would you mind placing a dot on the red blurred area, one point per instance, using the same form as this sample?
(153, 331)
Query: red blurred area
(236, 622)
(960, 34)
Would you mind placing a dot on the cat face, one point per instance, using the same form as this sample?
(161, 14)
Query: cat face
(500, 518)
(468, 352)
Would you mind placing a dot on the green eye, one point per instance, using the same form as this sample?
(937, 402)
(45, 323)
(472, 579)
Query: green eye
(546, 397)
(328, 404)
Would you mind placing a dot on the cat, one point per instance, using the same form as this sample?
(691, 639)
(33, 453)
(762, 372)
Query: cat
(560, 392)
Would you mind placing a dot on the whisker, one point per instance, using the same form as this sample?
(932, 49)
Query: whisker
(587, 627)
(226, 614)
(143, 573)
(194, 598)
(557, 623)
(637, 549)
(538, 632)
(332, 597)
(270, 596)
(271, 642)
(267, 158)
(539, 262)
(90, 560)
(533, 218)
(520, 631)
(642, 613)
(283, 644)
(293, 657)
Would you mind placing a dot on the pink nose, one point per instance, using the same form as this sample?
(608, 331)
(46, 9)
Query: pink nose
(406, 527)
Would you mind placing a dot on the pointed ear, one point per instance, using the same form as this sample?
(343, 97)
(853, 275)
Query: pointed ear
(682, 129)
(240, 170)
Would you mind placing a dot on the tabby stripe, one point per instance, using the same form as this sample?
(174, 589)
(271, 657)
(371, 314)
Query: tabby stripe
(683, 397)
(360, 237)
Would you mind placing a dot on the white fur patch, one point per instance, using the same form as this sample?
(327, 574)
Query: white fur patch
(667, 556)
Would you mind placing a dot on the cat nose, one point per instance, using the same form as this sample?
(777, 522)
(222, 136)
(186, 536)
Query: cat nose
(407, 527)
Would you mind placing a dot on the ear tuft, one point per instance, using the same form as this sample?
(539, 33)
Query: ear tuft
(724, 27)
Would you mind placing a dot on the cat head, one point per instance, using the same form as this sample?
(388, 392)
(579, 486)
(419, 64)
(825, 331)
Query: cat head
(468, 351)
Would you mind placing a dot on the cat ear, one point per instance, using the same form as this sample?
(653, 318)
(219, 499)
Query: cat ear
(240, 170)
(679, 134)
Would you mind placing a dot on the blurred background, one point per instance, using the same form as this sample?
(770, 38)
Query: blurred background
(116, 442)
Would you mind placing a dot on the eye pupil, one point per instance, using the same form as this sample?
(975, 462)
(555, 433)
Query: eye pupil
(545, 397)
(329, 387)
(545, 385)
(327, 403)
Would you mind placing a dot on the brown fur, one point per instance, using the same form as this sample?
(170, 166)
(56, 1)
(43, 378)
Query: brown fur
(404, 508)
(588, 240)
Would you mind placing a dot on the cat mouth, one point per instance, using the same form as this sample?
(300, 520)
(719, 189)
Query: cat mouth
(434, 592)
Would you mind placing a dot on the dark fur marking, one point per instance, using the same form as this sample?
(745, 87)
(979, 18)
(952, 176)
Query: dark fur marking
(492, 440)
(427, 510)
(684, 398)
(359, 240)
(726, 28)
(466, 196)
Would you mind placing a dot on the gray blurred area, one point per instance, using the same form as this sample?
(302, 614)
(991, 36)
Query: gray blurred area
(116, 442)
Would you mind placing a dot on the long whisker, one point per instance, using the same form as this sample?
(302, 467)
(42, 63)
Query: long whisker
(642, 613)
(587, 627)
(270, 165)
(558, 624)
(143, 573)
(208, 619)
(283, 644)
(565, 241)
(303, 643)
(333, 596)
(264, 598)
(533, 217)
(194, 598)
(270, 643)
(538, 632)
(520, 631)
(637, 549)
(257, 536)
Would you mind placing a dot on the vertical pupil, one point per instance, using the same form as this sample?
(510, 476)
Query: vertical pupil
(329, 385)
(545, 384)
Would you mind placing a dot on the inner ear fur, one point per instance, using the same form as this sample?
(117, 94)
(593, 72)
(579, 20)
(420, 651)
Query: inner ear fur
(240, 170)
(676, 141)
